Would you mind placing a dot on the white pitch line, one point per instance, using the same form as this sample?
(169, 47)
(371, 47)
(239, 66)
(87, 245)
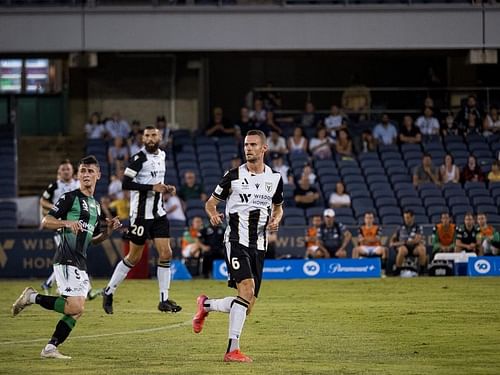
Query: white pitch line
(137, 331)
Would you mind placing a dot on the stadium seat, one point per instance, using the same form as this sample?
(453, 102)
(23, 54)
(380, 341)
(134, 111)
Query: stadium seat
(427, 193)
(195, 203)
(389, 211)
(195, 212)
(392, 220)
(436, 210)
(359, 193)
(458, 200)
(315, 211)
(417, 210)
(486, 209)
(434, 201)
(482, 200)
(295, 220)
(395, 178)
(421, 219)
(294, 212)
(460, 209)
(494, 219)
(405, 193)
(385, 201)
(384, 185)
(410, 201)
(374, 170)
(371, 179)
(343, 211)
(384, 193)
(346, 220)
(480, 192)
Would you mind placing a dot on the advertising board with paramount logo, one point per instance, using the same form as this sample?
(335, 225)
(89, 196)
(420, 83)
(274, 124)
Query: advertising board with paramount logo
(484, 266)
(312, 269)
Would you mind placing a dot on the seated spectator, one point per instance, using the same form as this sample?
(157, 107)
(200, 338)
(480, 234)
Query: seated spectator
(472, 125)
(463, 115)
(191, 245)
(449, 172)
(115, 190)
(321, 145)
(312, 240)
(369, 242)
(333, 237)
(385, 133)
(309, 118)
(244, 124)
(369, 141)
(276, 143)
(471, 171)
(467, 233)
(134, 131)
(488, 238)
(305, 195)
(443, 235)
(428, 124)
(426, 172)
(409, 132)
(213, 239)
(334, 121)
(117, 127)
(494, 175)
(308, 173)
(173, 207)
(191, 189)
(277, 165)
(258, 115)
(340, 198)
(118, 154)
(297, 143)
(409, 241)
(166, 132)
(343, 146)
(219, 126)
(450, 127)
(136, 144)
(491, 123)
(94, 128)
(270, 124)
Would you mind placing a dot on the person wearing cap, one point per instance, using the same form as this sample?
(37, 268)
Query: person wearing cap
(333, 237)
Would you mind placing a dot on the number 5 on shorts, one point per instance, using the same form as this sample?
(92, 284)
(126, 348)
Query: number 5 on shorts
(235, 263)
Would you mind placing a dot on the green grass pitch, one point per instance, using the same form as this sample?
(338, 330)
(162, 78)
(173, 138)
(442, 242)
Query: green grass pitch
(376, 326)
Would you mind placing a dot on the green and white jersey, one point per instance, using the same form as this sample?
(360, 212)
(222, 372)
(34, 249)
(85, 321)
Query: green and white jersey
(76, 206)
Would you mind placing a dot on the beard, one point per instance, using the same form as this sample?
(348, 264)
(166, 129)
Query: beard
(152, 147)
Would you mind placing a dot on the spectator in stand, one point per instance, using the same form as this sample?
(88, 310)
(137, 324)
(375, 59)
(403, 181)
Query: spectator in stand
(312, 240)
(284, 170)
(467, 236)
(166, 132)
(271, 99)
(333, 237)
(115, 190)
(472, 125)
(449, 172)
(491, 123)
(94, 128)
(369, 143)
(321, 145)
(384, 132)
(219, 126)
(136, 144)
(409, 241)
(118, 154)
(340, 198)
(297, 143)
(450, 127)
(276, 143)
(309, 118)
(356, 100)
(235, 161)
(305, 195)
(308, 173)
(343, 146)
(117, 127)
(173, 207)
(488, 238)
(136, 129)
(244, 124)
(494, 175)
(213, 238)
(472, 171)
(428, 124)
(462, 118)
(426, 172)
(191, 189)
(409, 132)
(369, 242)
(258, 115)
(191, 245)
(270, 124)
(334, 121)
(443, 235)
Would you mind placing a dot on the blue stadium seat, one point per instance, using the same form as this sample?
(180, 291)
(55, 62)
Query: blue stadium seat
(343, 211)
(370, 164)
(392, 220)
(185, 157)
(195, 203)
(375, 170)
(405, 193)
(410, 147)
(390, 156)
(412, 155)
(225, 141)
(329, 179)
(353, 179)
(398, 163)
(325, 171)
(295, 220)
(460, 209)
(359, 193)
(195, 212)
(384, 193)
(478, 193)
(433, 146)
(410, 201)
(385, 201)
(482, 200)
(315, 211)
(294, 211)
(389, 211)
(486, 209)
(368, 156)
(203, 140)
(395, 178)
(350, 171)
(450, 139)
(436, 210)
(421, 219)
(372, 179)
(211, 180)
(458, 200)
(346, 220)
(417, 210)
(8, 223)
(434, 201)
(493, 219)
(323, 163)
(454, 193)
(430, 193)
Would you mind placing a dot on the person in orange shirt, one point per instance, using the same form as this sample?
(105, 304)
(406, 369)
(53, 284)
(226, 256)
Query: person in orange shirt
(488, 238)
(191, 245)
(312, 241)
(443, 235)
(369, 244)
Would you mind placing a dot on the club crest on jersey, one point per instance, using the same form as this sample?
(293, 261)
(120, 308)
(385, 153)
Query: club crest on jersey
(257, 186)
(269, 186)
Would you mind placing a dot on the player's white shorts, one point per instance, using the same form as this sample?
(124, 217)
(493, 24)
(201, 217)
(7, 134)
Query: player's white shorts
(368, 250)
(71, 281)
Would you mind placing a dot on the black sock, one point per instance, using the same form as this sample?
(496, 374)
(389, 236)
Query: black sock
(63, 329)
(50, 302)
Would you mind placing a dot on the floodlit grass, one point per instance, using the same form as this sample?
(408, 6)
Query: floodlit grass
(386, 326)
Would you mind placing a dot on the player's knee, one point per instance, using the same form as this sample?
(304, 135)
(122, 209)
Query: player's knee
(246, 289)
(165, 254)
(74, 309)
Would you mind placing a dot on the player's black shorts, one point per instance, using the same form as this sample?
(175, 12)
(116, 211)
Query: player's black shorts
(244, 263)
(141, 229)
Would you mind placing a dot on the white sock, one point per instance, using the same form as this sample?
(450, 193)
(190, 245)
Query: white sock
(50, 279)
(220, 304)
(119, 275)
(33, 297)
(49, 347)
(164, 274)
(237, 317)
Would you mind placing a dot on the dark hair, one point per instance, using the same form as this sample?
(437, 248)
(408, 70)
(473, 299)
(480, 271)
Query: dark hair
(161, 118)
(258, 133)
(150, 127)
(65, 161)
(426, 154)
(482, 213)
(451, 156)
(445, 213)
(469, 213)
(89, 159)
(409, 211)
(370, 213)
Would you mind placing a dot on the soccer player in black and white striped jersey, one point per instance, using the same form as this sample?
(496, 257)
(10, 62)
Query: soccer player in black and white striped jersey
(254, 196)
(144, 178)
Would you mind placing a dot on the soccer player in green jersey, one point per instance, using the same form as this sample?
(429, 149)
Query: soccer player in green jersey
(77, 216)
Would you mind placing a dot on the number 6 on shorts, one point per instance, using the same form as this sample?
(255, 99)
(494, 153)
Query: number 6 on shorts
(235, 263)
